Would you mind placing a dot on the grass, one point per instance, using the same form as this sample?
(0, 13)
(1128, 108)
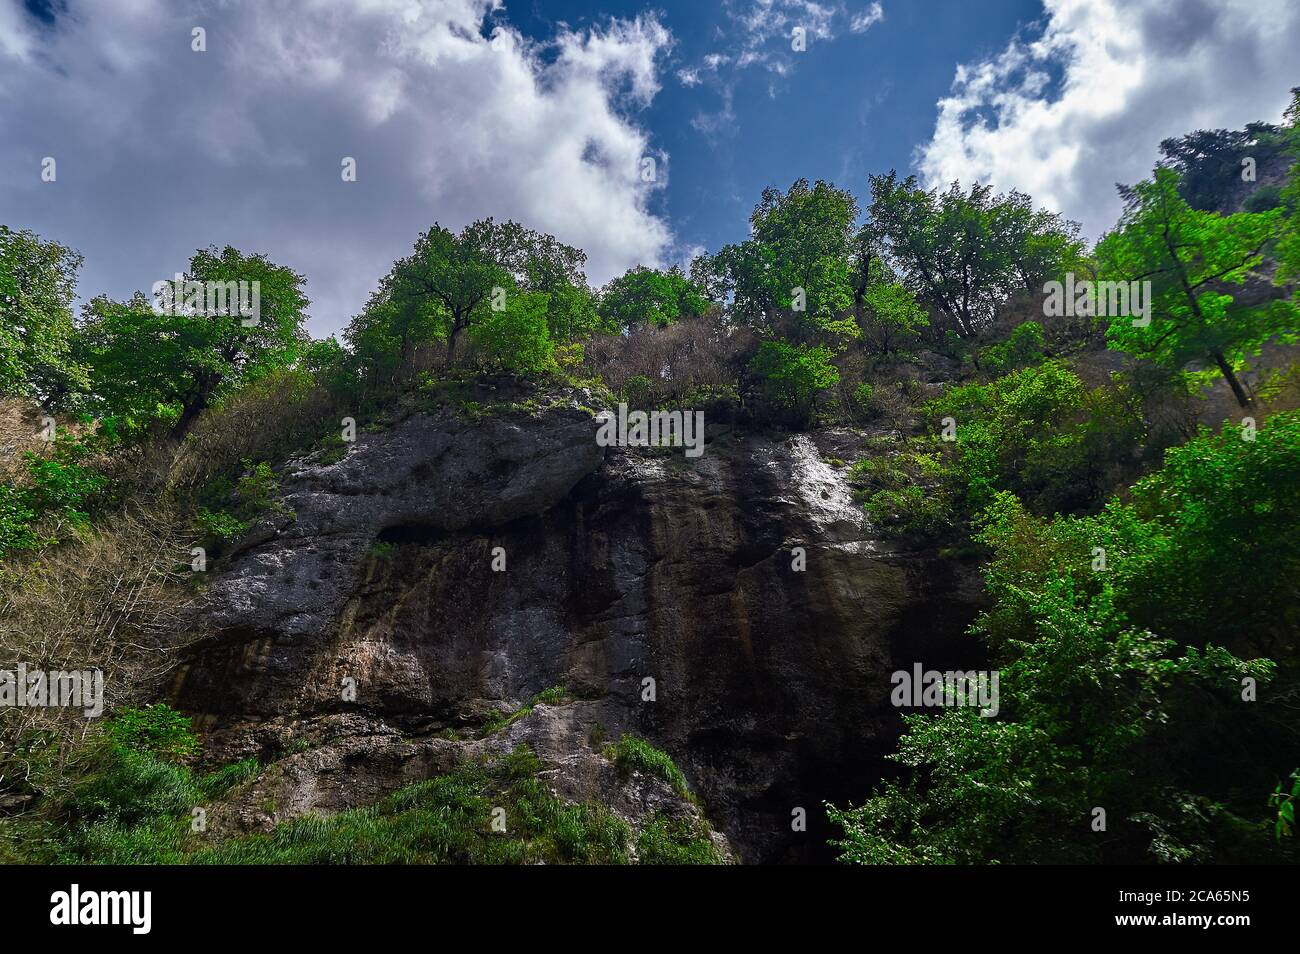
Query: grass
(634, 754)
(554, 696)
(447, 820)
(675, 841)
(135, 802)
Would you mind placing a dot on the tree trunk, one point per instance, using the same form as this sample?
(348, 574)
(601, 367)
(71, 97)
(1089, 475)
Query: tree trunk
(451, 344)
(189, 414)
(1228, 375)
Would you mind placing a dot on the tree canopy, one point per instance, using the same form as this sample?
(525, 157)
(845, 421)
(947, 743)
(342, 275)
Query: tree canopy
(1196, 262)
(37, 284)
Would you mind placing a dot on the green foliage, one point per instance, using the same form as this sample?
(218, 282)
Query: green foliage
(675, 841)
(58, 489)
(517, 337)
(791, 375)
(446, 820)
(1106, 699)
(905, 493)
(1287, 251)
(152, 362)
(802, 238)
(17, 520)
(1263, 199)
(252, 496)
(554, 696)
(964, 253)
(1039, 432)
(1284, 801)
(1024, 347)
(219, 525)
(651, 296)
(37, 285)
(1209, 161)
(637, 391)
(864, 398)
(891, 314)
(634, 754)
(1192, 259)
(452, 283)
(156, 730)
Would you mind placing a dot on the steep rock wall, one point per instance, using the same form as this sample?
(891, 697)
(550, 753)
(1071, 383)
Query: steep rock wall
(770, 683)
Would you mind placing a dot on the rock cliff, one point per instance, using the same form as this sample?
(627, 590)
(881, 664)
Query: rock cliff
(735, 609)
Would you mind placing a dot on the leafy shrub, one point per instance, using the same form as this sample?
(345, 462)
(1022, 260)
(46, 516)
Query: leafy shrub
(17, 520)
(219, 525)
(906, 492)
(1113, 703)
(156, 730)
(1040, 433)
(1262, 199)
(791, 375)
(1023, 347)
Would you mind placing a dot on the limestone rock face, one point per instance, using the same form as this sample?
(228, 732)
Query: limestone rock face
(735, 609)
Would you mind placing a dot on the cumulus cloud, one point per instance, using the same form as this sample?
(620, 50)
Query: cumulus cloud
(1083, 103)
(450, 113)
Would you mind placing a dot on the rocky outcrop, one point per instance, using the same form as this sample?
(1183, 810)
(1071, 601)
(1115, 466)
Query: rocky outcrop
(736, 609)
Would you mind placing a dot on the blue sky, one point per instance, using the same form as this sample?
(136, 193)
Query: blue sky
(849, 106)
(542, 111)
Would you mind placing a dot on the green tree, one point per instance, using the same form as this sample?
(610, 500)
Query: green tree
(650, 296)
(1192, 260)
(890, 313)
(450, 282)
(799, 261)
(37, 285)
(965, 253)
(1288, 246)
(150, 360)
(517, 337)
(1209, 161)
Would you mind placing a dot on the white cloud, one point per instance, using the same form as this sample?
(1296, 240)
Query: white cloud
(763, 35)
(763, 32)
(1128, 73)
(863, 21)
(450, 113)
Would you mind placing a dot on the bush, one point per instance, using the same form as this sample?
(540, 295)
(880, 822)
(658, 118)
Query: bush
(1040, 433)
(1116, 634)
(1024, 347)
(1262, 199)
(791, 376)
(905, 493)
(156, 730)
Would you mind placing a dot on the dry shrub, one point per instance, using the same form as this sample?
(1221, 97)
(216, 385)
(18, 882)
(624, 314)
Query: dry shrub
(281, 413)
(109, 601)
(673, 363)
(22, 426)
(20, 431)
